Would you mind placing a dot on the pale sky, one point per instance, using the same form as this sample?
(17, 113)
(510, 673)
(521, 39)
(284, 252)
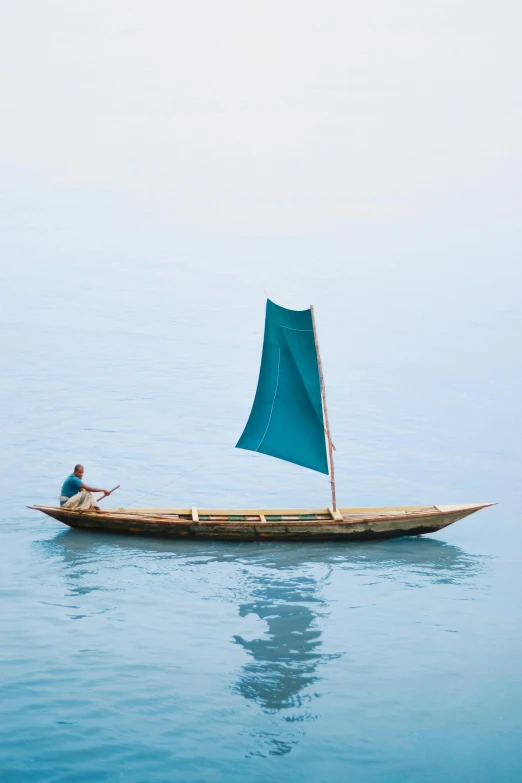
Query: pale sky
(265, 116)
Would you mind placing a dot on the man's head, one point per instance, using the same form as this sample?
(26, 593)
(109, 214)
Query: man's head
(78, 471)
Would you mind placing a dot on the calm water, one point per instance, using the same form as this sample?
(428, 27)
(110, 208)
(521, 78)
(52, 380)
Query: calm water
(154, 662)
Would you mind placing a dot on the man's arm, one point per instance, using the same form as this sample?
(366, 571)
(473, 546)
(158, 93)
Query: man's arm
(93, 489)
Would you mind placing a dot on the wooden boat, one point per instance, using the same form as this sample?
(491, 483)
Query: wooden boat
(296, 524)
(289, 420)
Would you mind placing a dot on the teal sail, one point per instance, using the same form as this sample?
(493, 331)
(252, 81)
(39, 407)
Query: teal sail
(286, 420)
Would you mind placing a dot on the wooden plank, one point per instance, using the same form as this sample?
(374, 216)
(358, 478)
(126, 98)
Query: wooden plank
(335, 514)
(462, 507)
(195, 515)
(257, 511)
(152, 510)
(223, 512)
(364, 509)
(267, 511)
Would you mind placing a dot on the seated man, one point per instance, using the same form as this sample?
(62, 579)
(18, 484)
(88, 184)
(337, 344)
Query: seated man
(76, 495)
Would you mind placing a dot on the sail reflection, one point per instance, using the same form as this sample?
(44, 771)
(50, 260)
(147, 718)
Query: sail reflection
(284, 661)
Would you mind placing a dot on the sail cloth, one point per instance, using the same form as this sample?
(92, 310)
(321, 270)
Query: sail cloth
(286, 420)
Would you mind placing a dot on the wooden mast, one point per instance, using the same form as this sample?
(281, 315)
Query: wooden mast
(330, 446)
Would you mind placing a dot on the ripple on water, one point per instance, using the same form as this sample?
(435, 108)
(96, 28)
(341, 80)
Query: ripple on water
(203, 661)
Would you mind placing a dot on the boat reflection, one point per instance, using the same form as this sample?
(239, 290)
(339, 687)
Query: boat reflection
(429, 556)
(283, 586)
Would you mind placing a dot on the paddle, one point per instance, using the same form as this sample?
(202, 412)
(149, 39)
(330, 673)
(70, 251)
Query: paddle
(108, 493)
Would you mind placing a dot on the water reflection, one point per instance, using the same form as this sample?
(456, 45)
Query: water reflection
(288, 597)
(284, 661)
(433, 559)
(283, 587)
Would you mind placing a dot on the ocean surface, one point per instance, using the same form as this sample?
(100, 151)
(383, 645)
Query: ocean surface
(136, 353)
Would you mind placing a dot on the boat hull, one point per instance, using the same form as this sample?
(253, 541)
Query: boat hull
(267, 525)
